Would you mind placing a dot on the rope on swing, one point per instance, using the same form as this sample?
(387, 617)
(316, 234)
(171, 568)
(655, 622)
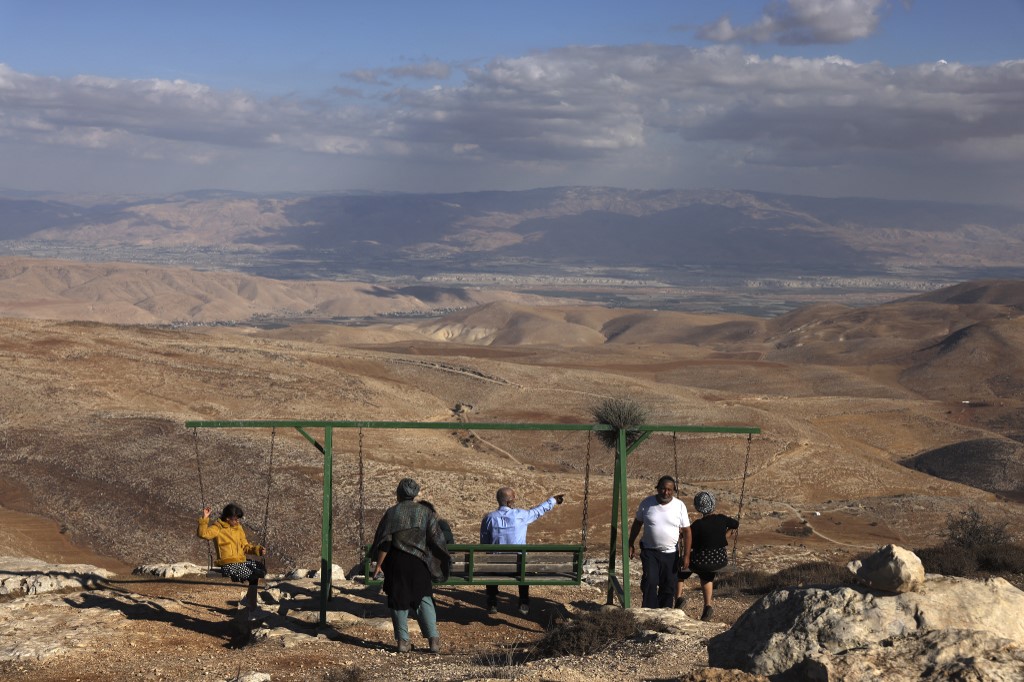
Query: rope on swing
(743, 491)
(586, 497)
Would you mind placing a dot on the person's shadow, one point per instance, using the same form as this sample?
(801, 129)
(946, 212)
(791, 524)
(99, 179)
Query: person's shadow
(225, 622)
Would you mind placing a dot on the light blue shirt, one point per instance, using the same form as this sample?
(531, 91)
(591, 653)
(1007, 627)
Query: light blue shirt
(507, 525)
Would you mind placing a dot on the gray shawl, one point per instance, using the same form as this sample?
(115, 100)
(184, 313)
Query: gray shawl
(412, 528)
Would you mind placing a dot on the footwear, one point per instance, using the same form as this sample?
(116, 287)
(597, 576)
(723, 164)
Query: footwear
(707, 614)
(680, 601)
(524, 609)
(435, 644)
(404, 646)
(492, 609)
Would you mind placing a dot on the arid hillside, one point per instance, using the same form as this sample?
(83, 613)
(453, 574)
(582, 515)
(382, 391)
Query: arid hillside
(122, 293)
(847, 400)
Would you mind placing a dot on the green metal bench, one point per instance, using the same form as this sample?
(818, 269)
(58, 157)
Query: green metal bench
(506, 565)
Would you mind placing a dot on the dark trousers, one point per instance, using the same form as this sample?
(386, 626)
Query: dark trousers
(492, 595)
(660, 578)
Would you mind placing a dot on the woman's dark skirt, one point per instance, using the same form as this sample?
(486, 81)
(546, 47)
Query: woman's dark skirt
(406, 580)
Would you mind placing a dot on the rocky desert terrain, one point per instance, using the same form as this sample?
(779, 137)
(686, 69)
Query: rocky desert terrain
(875, 424)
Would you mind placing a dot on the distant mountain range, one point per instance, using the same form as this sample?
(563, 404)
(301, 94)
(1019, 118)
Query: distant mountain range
(669, 236)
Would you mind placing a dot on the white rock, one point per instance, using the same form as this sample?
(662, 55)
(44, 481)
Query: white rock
(170, 570)
(891, 568)
(827, 628)
(19, 575)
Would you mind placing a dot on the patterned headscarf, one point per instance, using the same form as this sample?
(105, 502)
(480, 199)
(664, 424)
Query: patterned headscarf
(704, 502)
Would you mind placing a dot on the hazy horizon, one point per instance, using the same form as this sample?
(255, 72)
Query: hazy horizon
(868, 98)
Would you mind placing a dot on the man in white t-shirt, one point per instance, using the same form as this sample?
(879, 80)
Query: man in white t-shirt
(665, 522)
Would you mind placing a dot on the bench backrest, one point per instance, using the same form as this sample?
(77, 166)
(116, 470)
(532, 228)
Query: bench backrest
(508, 565)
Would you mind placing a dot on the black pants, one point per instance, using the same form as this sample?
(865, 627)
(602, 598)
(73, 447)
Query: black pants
(661, 576)
(492, 595)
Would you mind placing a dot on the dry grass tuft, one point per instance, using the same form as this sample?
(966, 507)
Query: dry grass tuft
(590, 633)
(622, 413)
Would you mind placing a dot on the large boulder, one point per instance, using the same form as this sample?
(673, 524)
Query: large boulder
(892, 569)
(853, 633)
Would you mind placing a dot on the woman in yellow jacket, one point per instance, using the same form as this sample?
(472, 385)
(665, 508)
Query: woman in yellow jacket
(232, 548)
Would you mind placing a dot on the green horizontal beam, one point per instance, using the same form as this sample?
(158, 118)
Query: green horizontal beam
(461, 426)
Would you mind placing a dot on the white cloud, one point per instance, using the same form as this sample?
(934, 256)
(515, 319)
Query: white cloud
(802, 22)
(663, 115)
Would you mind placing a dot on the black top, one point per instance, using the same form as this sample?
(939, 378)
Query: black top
(709, 531)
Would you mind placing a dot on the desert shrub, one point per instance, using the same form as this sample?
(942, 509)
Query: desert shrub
(588, 634)
(1001, 558)
(760, 582)
(970, 529)
(948, 560)
(622, 413)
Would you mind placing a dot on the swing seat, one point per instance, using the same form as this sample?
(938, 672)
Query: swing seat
(507, 565)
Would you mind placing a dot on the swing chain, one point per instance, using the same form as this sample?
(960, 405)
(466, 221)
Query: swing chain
(199, 468)
(675, 456)
(202, 493)
(270, 479)
(362, 494)
(743, 491)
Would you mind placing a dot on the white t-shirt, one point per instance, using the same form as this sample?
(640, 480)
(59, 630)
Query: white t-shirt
(662, 523)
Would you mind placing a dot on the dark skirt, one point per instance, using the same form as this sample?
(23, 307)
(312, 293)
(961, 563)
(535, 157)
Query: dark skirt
(406, 580)
(244, 572)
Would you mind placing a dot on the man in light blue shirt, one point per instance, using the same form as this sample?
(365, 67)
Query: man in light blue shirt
(507, 526)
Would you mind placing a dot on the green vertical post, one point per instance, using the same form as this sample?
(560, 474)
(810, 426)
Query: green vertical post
(620, 473)
(327, 526)
(616, 485)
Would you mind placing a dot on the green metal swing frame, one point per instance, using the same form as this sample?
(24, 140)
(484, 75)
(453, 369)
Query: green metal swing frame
(618, 541)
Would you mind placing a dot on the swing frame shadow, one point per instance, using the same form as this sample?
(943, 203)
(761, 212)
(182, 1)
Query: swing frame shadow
(618, 541)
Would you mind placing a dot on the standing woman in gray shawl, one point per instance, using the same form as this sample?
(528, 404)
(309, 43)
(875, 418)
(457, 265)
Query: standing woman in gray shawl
(410, 550)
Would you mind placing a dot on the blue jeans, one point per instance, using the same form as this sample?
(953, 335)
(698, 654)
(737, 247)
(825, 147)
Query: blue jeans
(426, 616)
(661, 575)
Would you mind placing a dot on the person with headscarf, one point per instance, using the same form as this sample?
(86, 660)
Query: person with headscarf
(709, 555)
(410, 551)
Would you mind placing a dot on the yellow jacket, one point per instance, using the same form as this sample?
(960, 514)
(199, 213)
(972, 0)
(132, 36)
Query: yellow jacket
(232, 545)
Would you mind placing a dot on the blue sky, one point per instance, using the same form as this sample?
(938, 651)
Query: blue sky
(895, 99)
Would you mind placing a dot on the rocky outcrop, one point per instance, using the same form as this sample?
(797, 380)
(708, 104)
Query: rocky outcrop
(944, 626)
(890, 569)
(30, 576)
(177, 570)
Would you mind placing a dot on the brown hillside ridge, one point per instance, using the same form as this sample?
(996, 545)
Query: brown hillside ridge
(120, 293)
(92, 440)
